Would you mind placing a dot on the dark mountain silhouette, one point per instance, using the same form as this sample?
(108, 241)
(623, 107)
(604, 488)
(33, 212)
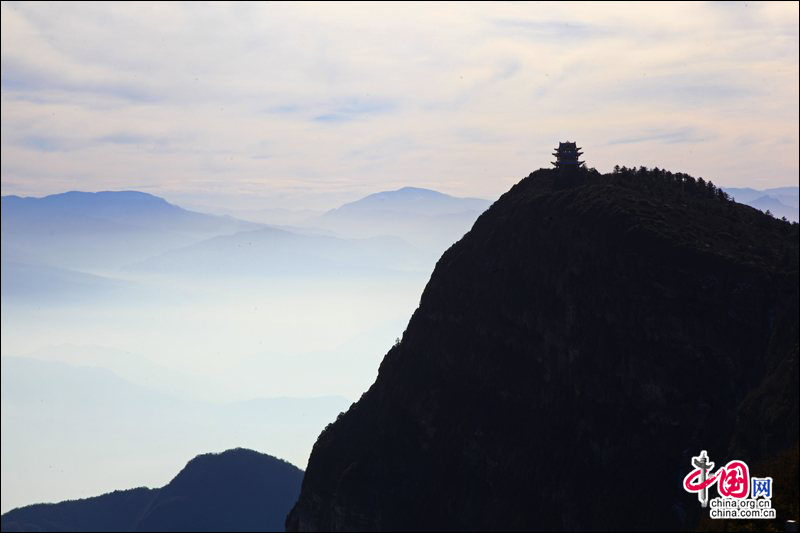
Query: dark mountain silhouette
(569, 356)
(116, 511)
(237, 490)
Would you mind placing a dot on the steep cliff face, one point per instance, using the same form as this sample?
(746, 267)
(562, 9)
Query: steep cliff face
(569, 355)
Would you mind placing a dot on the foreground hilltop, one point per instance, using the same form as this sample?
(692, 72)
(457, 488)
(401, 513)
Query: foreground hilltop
(569, 356)
(237, 490)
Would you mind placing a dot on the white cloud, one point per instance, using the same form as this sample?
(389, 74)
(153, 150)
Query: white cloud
(467, 98)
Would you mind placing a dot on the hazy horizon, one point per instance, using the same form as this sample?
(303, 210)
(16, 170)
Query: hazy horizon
(204, 101)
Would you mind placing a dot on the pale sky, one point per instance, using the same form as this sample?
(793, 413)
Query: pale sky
(293, 103)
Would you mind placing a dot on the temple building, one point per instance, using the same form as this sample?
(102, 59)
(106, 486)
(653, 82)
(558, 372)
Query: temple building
(567, 155)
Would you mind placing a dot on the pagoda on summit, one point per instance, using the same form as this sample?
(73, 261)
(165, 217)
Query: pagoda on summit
(567, 155)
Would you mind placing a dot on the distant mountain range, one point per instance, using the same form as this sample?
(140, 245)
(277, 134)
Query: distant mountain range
(412, 201)
(780, 201)
(78, 246)
(237, 490)
(74, 243)
(101, 231)
(95, 212)
(423, 217)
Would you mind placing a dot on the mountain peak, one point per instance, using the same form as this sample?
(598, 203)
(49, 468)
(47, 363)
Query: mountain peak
(573, 334)
(231, 464)
(236, 490)
(409, 188)
(395, 198)
(417, 191)
(91, 197)
(109, 194)
(411, 200)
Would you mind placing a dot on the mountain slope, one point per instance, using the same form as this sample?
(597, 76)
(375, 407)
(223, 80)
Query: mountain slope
(569, 355)
(32, 282)
(115, 511)
(237, 490)
(272, 251)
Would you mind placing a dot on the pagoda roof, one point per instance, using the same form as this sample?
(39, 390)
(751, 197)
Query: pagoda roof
(567, 154)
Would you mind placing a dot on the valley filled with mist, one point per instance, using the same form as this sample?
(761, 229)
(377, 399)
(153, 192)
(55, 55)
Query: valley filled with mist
(137, 334)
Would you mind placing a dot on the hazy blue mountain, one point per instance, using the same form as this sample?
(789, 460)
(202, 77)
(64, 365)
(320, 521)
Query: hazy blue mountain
(35, 283)
(780, 201)
(101, 232)
(83, 230)
(236, 490)
(55, 387)
(132, 367)
(423, 217)
(412, 200)
(787, 195)
(743, 195)
(116, 209)
(272, 251)
(271, 216)
(61, 421)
